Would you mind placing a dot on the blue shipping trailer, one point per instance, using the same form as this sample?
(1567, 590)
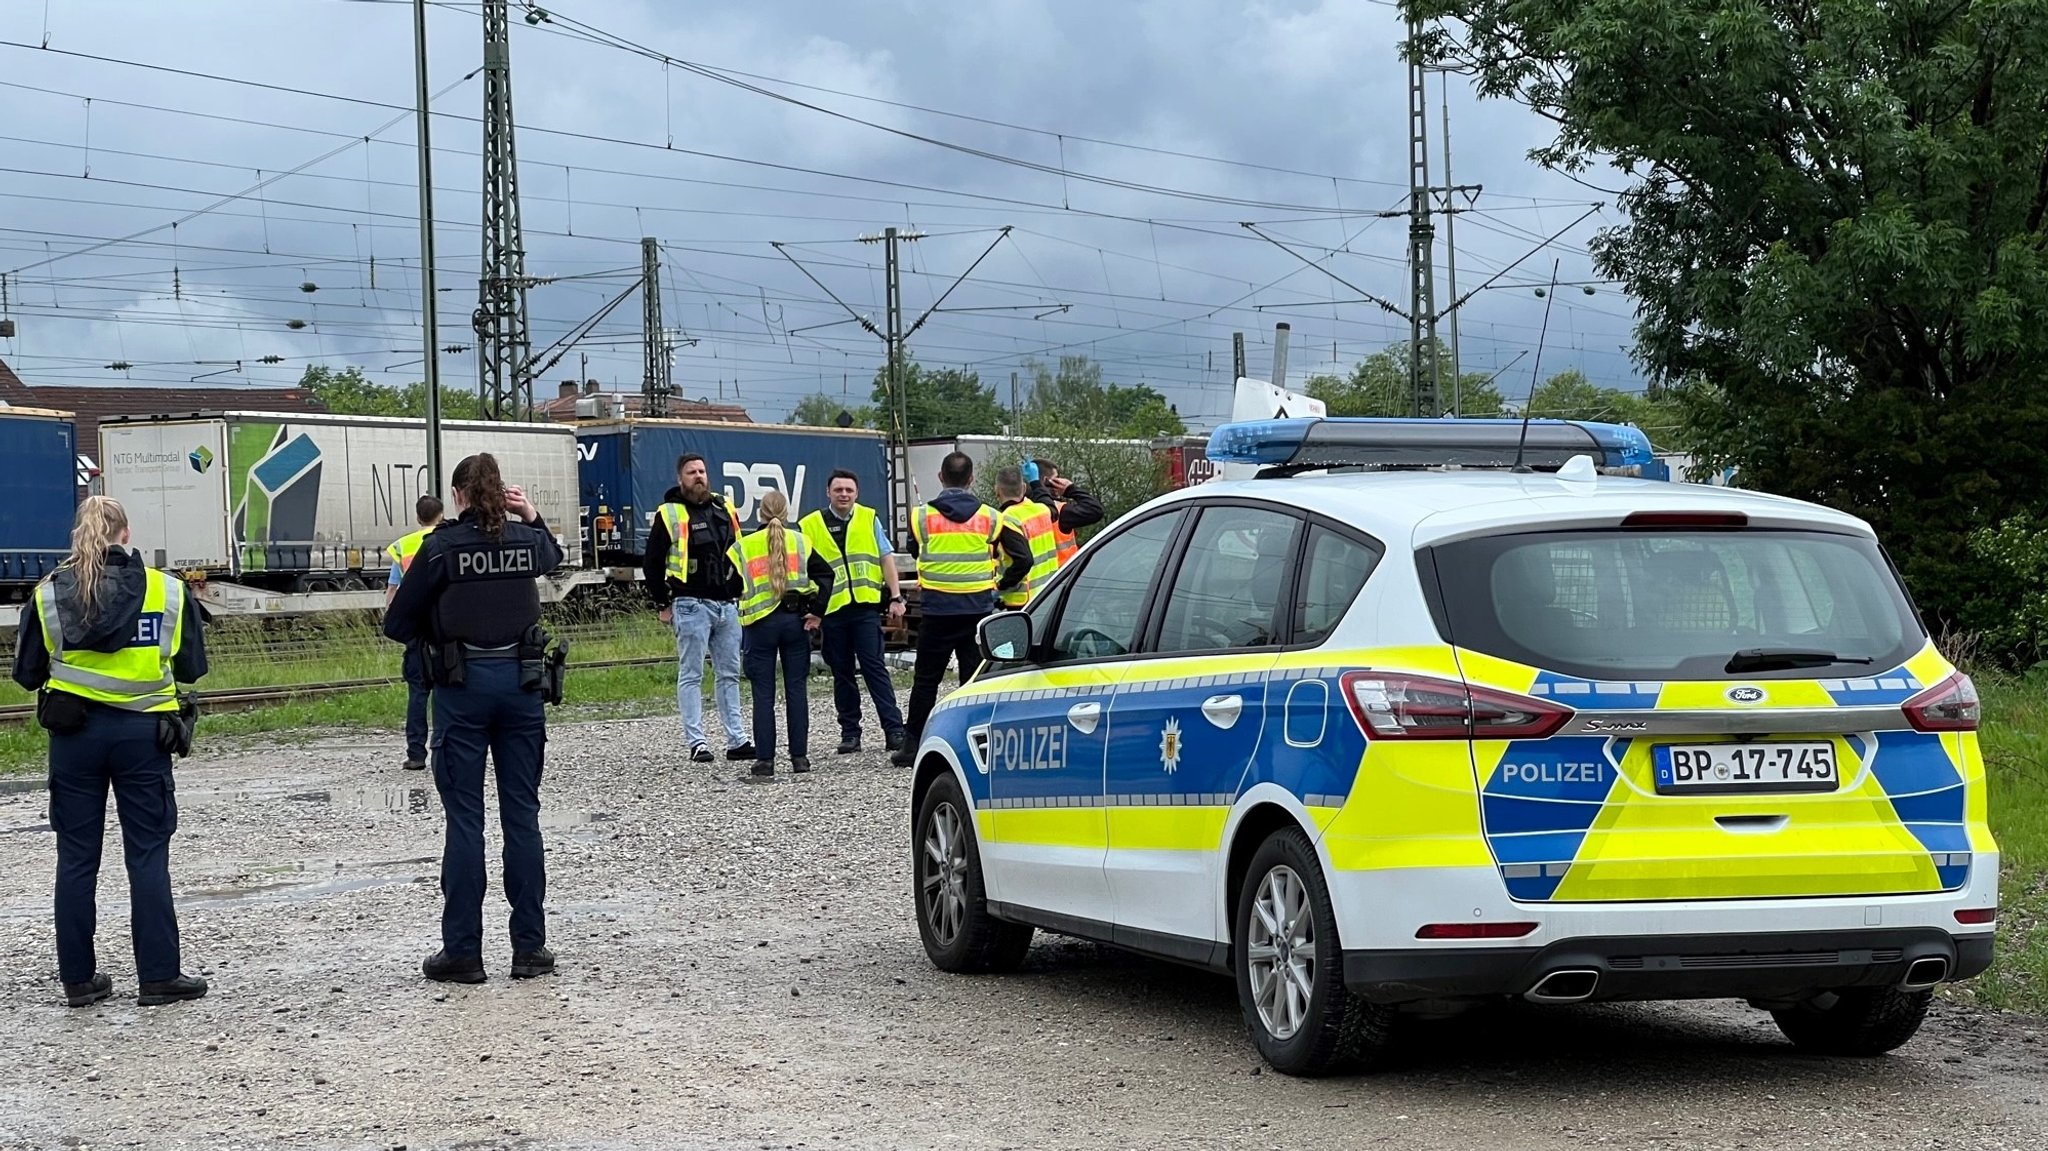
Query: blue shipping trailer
(39, 490)
(627, 466)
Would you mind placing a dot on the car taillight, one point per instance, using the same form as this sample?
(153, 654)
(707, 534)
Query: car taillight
(1950, 705)
(1419, 707)
(1977, 915)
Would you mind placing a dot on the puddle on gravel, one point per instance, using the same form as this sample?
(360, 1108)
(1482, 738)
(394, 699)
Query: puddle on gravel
(380, 800)
(289, 892)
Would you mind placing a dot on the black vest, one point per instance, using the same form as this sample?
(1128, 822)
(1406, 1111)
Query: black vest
(491, 597)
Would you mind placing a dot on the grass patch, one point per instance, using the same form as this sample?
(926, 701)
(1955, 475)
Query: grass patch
(2015, 743)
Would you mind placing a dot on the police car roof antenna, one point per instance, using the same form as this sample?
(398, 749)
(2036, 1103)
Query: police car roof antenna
(1522, 440)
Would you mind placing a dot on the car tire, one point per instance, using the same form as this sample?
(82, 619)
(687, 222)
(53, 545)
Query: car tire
(953, 918)
(1330, 1030)
(1858, 1022)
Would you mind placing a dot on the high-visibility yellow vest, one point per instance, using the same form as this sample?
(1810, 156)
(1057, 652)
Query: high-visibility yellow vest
(1035, 521)
(405, 547)
(676, 517)
(956, 558)
(859, 568)
(136, 678)
(758, 597)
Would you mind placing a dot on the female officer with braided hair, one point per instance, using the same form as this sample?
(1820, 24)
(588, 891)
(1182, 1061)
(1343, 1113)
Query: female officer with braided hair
(784, 587)
(471, 595)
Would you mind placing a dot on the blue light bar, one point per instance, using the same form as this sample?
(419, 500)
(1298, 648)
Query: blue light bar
(1312, 443)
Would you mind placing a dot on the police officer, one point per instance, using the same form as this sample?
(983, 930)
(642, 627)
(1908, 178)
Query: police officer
(104, 643)
(471, 595)
(850, 537)
(959, 540)
(1072, 508)
(1040, 529)
(784, 585)
(417, 691)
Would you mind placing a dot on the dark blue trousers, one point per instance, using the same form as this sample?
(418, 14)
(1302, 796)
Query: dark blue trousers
(853, 636)
(116, 749)
(779, 633)
(490, 715)
(417, 696)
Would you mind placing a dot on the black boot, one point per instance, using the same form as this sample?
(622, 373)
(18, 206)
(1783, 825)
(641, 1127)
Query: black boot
(531, 964)
(895, 741)
(177, 990)
(800, 764)
(850, 744)
(442, 967)
(88, 993)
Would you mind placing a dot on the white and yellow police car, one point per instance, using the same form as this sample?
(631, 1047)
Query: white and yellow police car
(1435, 712)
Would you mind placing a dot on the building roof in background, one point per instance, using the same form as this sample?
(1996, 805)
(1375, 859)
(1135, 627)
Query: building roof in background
(93, 403)
(622, 404)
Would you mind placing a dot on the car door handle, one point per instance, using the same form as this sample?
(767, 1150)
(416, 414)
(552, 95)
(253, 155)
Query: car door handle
(1085, 716)
(1223, 710)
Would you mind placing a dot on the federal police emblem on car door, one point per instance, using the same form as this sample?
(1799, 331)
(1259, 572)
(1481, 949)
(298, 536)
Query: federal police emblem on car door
(1746, 694)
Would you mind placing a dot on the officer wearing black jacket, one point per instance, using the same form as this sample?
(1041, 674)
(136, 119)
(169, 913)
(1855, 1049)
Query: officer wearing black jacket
(103, 643)
(471, 595)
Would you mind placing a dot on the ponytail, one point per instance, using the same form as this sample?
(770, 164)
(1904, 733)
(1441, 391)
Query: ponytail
(483, 491)
(100, 522)
(774, 507)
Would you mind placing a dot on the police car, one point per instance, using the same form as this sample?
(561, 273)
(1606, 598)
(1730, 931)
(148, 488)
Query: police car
(1429, 713)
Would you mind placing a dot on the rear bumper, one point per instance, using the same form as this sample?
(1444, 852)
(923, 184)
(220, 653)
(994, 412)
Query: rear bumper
(1746, 966)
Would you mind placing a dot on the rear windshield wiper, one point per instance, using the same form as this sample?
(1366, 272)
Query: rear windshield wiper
(1779, 658)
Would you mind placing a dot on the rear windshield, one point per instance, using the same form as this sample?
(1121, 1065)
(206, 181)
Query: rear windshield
(1679, 604)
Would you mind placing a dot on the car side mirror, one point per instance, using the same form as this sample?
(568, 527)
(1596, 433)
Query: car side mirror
(1005, 637)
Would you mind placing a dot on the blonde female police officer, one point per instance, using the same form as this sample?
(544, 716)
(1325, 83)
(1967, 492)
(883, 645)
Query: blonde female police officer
(784, 586)
(104, 642)
(470, 595)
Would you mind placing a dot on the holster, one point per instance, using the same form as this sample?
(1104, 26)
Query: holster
(60, 712)
(175, 730)
(542, 664)
(445, 663)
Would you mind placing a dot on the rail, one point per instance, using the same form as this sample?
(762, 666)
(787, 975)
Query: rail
(244, 698)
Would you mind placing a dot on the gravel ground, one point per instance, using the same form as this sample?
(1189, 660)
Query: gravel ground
(740, 969)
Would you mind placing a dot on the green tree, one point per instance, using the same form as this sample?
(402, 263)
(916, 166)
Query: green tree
(941, 402)
(348, 392)
(822, 411)
(1073, 397)
(1833, 228)
(1379, 386)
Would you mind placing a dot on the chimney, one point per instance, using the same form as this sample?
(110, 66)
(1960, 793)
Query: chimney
(590, 387)
(568, 389)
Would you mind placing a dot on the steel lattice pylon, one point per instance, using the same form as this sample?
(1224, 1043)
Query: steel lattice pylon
(1422, 317)
(504, 342)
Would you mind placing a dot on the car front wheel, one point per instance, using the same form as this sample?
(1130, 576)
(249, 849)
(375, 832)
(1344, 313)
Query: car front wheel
(952, 904)
(1290, 967)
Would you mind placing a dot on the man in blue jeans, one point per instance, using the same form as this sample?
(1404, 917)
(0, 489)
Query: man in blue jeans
(696, 589)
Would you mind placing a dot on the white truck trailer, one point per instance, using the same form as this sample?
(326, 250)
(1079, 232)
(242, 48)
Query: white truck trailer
(298, 502)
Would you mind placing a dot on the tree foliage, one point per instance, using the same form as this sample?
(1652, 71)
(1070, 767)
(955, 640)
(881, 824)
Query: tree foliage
(1073, 397)
(1833, 226)
(940, 402)
(348, 392)
(822, 411)
(1379, 386)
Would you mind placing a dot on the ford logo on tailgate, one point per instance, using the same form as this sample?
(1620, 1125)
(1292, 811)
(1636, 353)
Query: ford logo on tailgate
(1746, 694)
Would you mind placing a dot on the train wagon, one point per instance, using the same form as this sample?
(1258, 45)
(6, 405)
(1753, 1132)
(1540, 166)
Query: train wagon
(39, 492)
(627, 466)
(307, 502)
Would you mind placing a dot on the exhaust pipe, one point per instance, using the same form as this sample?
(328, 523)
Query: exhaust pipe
(1570, 985)
(1923, 974)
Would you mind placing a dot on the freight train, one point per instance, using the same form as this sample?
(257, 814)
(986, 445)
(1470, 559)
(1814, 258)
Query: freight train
(279, 514)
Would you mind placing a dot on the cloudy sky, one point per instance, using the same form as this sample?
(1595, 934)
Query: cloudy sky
(172, 174)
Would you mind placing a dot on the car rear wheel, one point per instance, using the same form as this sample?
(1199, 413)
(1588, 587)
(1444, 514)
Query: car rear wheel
(952, 905)
(1860, 1021)
(1290, 967)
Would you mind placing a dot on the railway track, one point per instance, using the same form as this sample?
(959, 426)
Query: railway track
(245, 698)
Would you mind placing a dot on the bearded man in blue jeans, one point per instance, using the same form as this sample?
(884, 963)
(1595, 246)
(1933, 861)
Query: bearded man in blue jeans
(696, 590)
